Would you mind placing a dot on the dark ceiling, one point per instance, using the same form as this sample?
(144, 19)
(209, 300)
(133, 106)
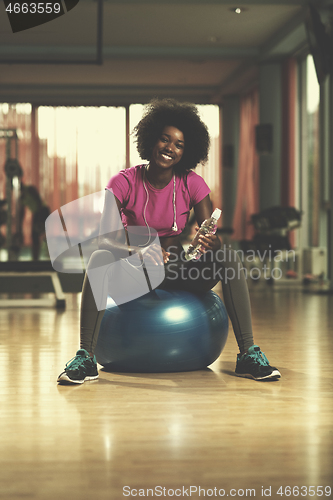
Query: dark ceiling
(193, 49)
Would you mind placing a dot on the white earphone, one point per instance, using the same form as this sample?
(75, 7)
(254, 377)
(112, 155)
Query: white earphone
(174, 227)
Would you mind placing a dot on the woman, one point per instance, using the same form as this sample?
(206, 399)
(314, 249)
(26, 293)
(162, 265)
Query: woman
(159, 195)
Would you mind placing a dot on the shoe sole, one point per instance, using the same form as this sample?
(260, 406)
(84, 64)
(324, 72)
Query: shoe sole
(275, 375)
(64, 379)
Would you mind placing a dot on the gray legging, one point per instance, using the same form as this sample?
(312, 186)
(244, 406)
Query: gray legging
(193, 276)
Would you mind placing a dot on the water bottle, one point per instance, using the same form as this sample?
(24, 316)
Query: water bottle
(209, 226)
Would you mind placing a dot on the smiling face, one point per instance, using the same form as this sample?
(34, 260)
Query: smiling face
(169, 148)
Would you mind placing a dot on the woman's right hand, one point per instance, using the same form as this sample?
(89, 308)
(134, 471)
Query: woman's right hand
(156, 254)
(165, 255)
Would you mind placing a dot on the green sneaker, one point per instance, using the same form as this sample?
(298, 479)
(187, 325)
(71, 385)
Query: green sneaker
(79, 369)
(254, 364)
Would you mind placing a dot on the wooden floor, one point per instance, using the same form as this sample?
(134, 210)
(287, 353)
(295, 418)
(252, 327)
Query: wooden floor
(206, 429)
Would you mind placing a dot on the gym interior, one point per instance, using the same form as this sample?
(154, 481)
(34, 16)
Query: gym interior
(71, 91)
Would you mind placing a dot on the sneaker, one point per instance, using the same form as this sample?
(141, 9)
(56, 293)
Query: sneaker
(254, 364)
(79, 369)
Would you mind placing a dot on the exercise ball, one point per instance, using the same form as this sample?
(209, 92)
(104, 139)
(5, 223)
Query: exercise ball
(163, 331)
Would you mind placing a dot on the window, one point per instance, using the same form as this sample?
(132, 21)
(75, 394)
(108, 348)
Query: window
(313, 181)
(309, 171)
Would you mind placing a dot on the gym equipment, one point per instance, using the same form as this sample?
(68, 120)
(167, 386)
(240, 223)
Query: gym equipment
(33, 277)
(163, 331)
(14, 172)
(273, 226)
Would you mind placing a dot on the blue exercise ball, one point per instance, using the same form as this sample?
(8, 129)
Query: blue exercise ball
(163, 331)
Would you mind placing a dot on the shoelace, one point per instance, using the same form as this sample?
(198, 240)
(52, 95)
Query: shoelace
(260, 358)
(76, 361)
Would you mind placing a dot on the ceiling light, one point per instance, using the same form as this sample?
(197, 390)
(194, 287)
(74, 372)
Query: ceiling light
(237, 10)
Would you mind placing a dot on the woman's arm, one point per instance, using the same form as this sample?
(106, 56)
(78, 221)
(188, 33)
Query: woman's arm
(203, 210)
(110, 238)
(116, 240)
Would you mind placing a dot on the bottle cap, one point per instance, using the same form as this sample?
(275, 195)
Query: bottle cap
(217, 213)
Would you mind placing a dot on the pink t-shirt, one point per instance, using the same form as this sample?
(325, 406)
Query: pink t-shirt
(128, 187)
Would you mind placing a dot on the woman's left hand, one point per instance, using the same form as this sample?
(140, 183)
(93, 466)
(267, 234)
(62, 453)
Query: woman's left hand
(209, 242)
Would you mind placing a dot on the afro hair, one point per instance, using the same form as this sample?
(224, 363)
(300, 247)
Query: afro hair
(160, 113)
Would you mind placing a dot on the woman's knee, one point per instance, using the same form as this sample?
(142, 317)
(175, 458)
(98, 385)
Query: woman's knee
(100, 258)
